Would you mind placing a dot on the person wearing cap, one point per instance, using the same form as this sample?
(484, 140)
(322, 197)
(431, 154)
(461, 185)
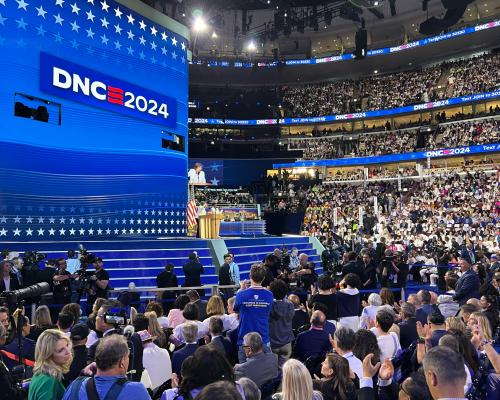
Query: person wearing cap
(78, 336)
(468, 284)
(100, 283)
(156, 361)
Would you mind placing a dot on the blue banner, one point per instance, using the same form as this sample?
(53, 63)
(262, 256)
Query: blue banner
(75, 82)
(344, 162)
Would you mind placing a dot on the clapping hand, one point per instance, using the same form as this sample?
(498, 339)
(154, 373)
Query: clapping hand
(369, 370)
(423, 330)
(386, 371)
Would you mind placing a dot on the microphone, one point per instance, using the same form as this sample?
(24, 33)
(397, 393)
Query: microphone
(128, 331)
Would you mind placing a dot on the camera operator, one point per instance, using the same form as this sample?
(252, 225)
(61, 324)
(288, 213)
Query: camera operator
(99, 283)
(9, 280)
(47, 274)
(62, 284)
(389, 269)
(106, 325)
(7, 383)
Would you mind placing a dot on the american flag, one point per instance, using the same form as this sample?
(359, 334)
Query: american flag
(191, 213)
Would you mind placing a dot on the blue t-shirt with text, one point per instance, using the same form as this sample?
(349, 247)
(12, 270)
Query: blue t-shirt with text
(254, 306)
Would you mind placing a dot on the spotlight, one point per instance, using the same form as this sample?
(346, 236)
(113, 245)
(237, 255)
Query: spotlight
(199, 24)
(251, 46)
(214, 35)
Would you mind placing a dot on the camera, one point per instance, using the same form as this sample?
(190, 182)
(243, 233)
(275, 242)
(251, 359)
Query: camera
(116, 317)
(33, 257)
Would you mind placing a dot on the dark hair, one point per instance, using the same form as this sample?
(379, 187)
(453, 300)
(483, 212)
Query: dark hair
(365, 342)
(227, 255)
(325, 282)
(385, 319)
(193, 256)
(169, 267)
(466, 349)
(221, 390)
(279, 289)
(216, 326)
(181, 301)
(319, 306)
(141, 322)
(207, 366)
(156, 307)
(71, 253)
(191, 312)
(444, 363)
(110, 350)
(74, 309)
(352, 280)
(387, 296)
(469, 308)
(416, 387)
(425, 296)
(340, 385)
(344, 338)
(451, 281)
(257, 273)
(351, 256)
(60, 259)
(436, 318)
(65, 320)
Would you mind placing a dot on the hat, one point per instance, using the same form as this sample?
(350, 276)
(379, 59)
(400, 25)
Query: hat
(79, 332)
(145, 335)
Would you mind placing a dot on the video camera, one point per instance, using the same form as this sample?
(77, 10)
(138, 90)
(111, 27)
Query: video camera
(14, 297)
(33, 257)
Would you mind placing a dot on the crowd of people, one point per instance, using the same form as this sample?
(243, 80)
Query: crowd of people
(455, 134)
(223, 196)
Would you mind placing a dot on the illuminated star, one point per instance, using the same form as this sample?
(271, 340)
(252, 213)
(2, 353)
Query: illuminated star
(58, 18)
(153, 31)
(174, 41)
(90, 33)
(59, 3)
(90, 16)
(22, 4)
(164, 36)
(75, 9)
(21, 24)
(41, 12)
(118, 29)
(131, 19)
(104, 5)
(75, 26)
(118, 12)
(104, 22)
(142, 25)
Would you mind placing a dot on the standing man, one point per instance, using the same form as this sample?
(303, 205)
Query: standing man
(196, 175)
(72, 266)
(468, 284)
(100, 283)
(254, 306)
(225, 277)
(62, 286)
(234, 269)
(192, 271)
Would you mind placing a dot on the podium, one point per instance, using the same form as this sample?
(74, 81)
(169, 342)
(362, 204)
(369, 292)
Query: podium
(210, 225)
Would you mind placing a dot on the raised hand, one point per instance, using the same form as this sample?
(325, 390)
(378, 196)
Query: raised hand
(369, 370)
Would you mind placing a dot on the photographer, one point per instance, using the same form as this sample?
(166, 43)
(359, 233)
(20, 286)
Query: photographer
(106, 324)
(62, 284)
(7, 383)
(389, 269)
(99, 283)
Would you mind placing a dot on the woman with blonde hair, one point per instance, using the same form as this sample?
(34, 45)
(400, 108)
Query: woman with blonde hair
(297, 383)
(455, 323)
(155, 330)
(41, 322)
(215, 308)
(477, 319)
(53, 359)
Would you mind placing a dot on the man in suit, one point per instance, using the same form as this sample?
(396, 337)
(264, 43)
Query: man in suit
(416, 301)
(315, 341)
(190, 334)
(468, 284)
(260, 367)
(194, 297)
(408, 326)
(192, 271)
(300, 317)
(9, 280)
(217, 341)
(352, 267)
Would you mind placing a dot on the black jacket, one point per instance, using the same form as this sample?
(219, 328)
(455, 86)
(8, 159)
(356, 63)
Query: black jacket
(14, 283)
(353, 267)
(192, 271)
(79, 362)
(9, 389)
(408, 332)
(166, 280)
(224, 275)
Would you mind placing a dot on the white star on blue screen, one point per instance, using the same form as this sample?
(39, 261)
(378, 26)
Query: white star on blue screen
(22, 4)
(21, 24)
(90, 16)
(58, 19)
(75, 9)
(41, 12)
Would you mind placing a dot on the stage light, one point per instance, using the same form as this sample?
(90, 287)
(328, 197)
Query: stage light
(251, 46)
(214, 35)
(199, 24)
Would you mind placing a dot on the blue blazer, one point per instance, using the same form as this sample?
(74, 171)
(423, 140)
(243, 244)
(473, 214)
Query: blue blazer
(180, 355)
(467, 287)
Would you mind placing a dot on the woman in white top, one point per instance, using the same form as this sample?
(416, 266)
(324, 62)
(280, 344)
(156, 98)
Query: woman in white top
(370, 311)
(215, 308)
(388, 342)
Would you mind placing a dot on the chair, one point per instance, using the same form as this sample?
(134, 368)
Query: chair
(270, 387)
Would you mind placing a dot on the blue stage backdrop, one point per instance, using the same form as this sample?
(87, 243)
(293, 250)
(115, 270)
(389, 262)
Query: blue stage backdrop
(93, 104)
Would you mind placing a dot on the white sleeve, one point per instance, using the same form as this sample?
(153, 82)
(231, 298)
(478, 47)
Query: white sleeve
(201, 178)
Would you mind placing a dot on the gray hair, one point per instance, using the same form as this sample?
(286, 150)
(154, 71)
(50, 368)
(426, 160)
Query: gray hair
(443, 362)
(374, 299)
(250, 389)
(416, 297)
(190, 331)
(110, 350)
(408, 310)
(345, 338)
(254, 341)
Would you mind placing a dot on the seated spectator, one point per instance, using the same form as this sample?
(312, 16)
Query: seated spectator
(78, 336)
(326, 296)
(420, 314)
(297, 383)
(215, 308)
(112, 359)
(259, 366)
(41, 322)
(156, 361)
(205, 366)
(370, 310)
(190, 334)
(232, 317)
(466, 310)
(222, 390)
(343, 344)
(336, 382)
(365, 343)
(477, 321)
(175, 316)
(447, 306)
(52, 360)
(387, 341)
(250, 390)
(314, 342)
(280, 322)
(194, 298)
(154, 329)
(160, 316)
(190, 314)
(300, 316)
(217, 341)
(444, 379)
(489, 306)
(329, 326)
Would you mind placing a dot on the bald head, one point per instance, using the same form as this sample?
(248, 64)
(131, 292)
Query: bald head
(318, 319)
(295, 300)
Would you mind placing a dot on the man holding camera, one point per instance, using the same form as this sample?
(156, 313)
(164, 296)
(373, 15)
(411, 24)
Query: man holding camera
(100, 283)
(62, 284)
(108, 323)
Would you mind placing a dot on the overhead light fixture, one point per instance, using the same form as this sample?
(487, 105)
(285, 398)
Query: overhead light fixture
(251, 46)
(199, 24)
(214, 35)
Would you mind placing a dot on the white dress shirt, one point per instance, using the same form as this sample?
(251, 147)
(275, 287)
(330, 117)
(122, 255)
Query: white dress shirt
(196, 178)
(157, 362)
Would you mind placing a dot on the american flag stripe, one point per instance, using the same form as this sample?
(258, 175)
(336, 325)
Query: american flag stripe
(191, 213)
